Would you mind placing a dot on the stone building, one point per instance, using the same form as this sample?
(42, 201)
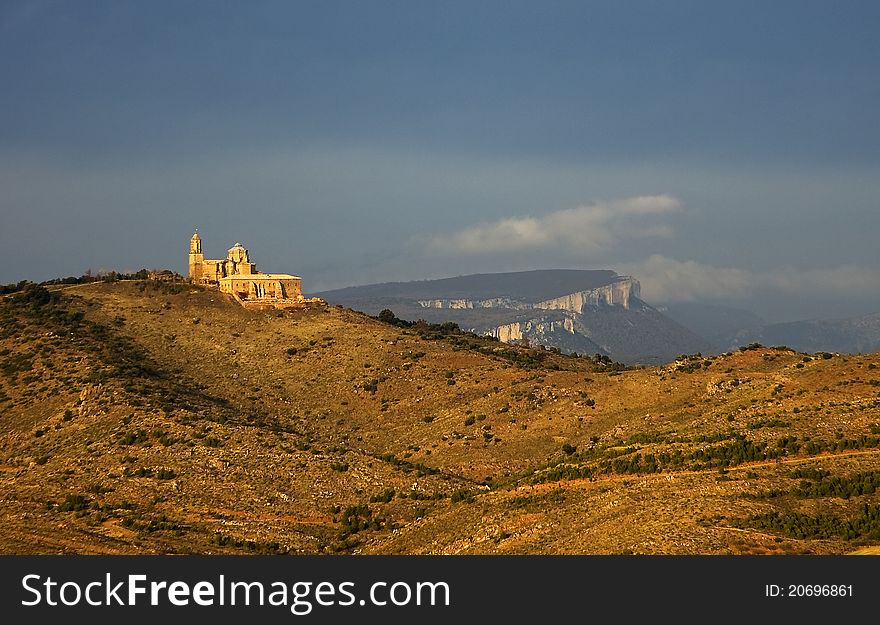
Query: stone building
(201, 271)
(238, 276)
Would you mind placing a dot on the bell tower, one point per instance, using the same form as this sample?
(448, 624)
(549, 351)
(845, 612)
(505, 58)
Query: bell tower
(196, 258)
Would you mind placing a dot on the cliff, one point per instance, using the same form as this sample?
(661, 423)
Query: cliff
(561, 333)
(620, 292)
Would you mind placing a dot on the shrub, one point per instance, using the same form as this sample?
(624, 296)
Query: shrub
(384, 497)
(74, 503)
(462, 495)
(133, 437)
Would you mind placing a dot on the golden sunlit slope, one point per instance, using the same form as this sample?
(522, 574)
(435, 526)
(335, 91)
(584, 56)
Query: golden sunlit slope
(141, 417)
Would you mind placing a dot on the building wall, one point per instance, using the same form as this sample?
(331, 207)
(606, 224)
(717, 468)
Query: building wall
(210, 271)
(196, 259)
(254, 287)
(196, 267)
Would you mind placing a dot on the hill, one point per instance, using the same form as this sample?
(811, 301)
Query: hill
(573, 310)
(140, 417)
(857, 334)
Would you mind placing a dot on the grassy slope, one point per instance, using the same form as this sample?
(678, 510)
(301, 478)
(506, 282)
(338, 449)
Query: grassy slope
(268, 435)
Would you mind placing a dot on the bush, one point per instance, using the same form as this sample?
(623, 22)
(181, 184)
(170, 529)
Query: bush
(74, 503)
(866, 524)
(384, 497)
(133, 438)
(462, 495)
(35, 296)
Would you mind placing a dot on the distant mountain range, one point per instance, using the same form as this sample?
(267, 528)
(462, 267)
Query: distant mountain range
(573, 310)
(854, 335)
(598, 312)
(717, 324)
(728, 328)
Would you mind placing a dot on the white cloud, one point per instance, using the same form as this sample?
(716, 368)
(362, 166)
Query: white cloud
(842, 281)
(585, 231)
(666, 279)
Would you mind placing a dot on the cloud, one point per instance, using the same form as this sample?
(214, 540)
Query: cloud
(585, 231)
(666, 279)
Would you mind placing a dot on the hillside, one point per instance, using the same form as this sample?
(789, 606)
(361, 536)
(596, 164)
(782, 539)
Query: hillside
(140, 417)
(573, 310)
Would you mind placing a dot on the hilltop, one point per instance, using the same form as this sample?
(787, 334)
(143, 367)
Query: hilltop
(144, 417)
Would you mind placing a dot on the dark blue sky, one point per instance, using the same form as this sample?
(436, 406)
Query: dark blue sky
(352, 142)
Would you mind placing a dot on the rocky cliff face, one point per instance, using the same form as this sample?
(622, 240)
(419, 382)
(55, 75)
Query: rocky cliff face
(553, 332)
(610, 319)
(533, 328)
(617, 293)
(470, 304)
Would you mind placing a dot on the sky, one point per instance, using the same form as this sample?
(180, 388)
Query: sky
(722, 152)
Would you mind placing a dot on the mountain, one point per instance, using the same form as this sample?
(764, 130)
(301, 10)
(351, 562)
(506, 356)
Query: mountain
(142, 417)
(854, 335)
(573, 310)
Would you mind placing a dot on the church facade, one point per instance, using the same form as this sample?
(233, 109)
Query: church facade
(201, 271)
(237, 276)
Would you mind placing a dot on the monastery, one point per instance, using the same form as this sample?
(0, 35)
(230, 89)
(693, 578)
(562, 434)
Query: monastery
(238, 276)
